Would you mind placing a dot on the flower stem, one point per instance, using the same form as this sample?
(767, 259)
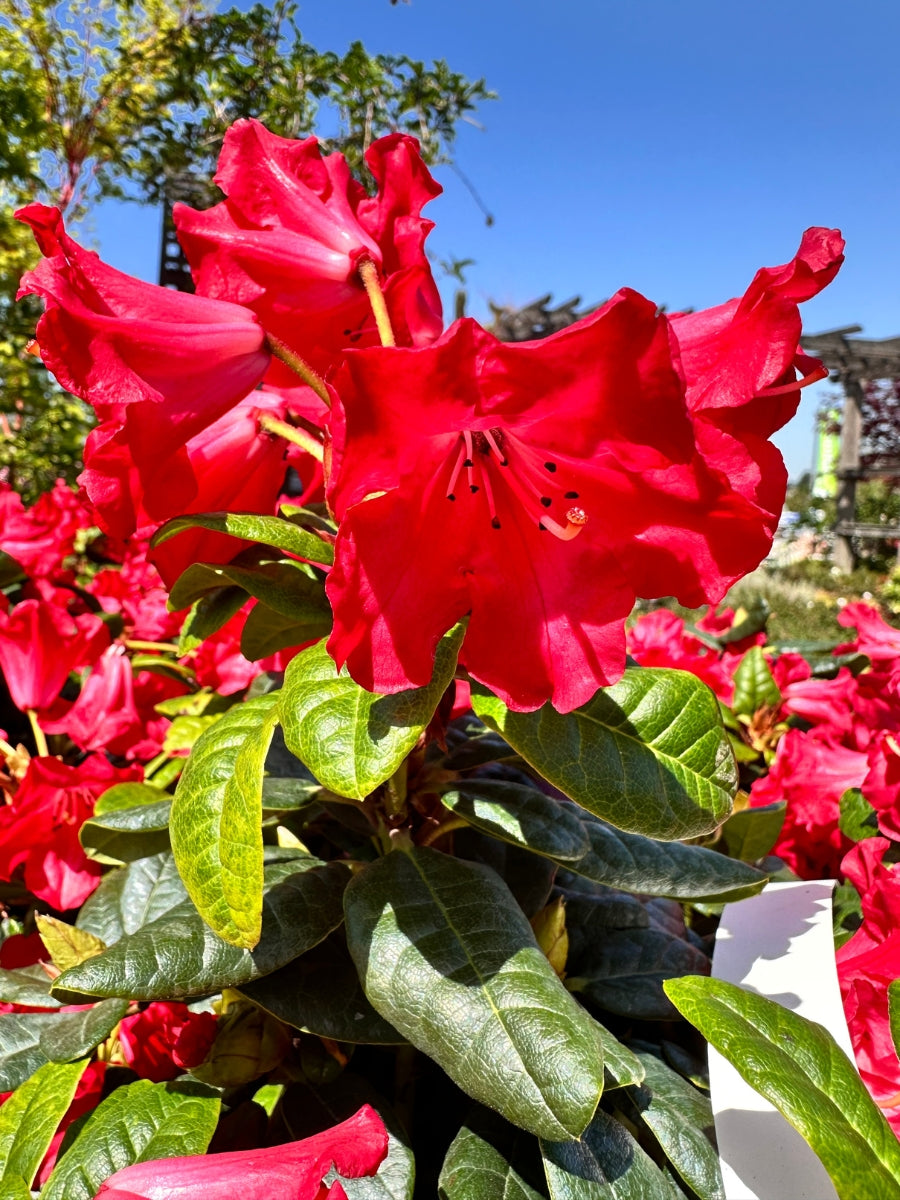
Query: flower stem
(39, 740)
(447, 827)
(368, 273)
(135, 644)
(292, 433)
(6, 749)
(300, 367)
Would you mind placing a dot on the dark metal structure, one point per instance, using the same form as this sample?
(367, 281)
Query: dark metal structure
(853, 363)
(199, 192)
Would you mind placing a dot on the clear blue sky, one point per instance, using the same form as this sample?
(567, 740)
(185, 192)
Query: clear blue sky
(672, 146)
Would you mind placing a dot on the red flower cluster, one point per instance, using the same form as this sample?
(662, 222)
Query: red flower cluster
(534, 489)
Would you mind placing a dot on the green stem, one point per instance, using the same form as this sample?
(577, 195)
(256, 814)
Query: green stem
(134, 644)
(368, 273)
(39, 740)
(446, 827)
(300, 367)
(6, 749)
(292, 433)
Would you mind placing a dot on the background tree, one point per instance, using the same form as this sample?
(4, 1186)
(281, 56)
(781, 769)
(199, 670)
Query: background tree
(128, 98)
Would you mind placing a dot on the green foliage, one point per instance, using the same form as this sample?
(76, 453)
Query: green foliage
(29, 1119)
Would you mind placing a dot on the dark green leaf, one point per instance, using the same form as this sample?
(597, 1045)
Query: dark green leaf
(128, 899)
(520, 815)
(28, 1121)
(208, 615)
(10, 571)
(639, 864)
(750, 833)
(681, 1119)
(288, 794)
(754, 684)
(649, 755)
(858, 819)
(430, 935)
(75, 1034)
(128, 833)
(350, 739)
(846, 913)
(216, 822)
(27, 985)
(797, 1066)
(894, 1012)
(283, 586)
(320, 992)
(606, 1164)
(266, 632)
(138, 1122)
(490, 1159)
(125, 795)
(20, 1051)
(622, 1065)
(178, 955)
(250, 527)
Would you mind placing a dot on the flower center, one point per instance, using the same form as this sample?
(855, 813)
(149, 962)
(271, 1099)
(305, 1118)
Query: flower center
(532, 480)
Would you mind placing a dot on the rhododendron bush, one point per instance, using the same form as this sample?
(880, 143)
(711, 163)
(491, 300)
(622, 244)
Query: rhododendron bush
(348, 835)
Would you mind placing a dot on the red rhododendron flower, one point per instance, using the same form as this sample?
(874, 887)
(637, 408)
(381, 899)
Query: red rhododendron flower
(876, 639)
(104, 716)
(288, 240)
(294, 1171)
(39, 538)
(165, 1039)
(537, 487)
(40, 644)
(739, 363)
(39, 827)
(161, 364)
(659, 639)
(823, 701)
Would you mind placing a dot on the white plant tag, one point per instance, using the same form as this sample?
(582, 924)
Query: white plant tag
(780, 945)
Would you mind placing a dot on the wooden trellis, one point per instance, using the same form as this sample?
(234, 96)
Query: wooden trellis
(853, 362)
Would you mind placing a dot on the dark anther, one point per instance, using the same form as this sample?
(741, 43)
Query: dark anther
(348, 333)
(495, 524)
(549, 466)
(468, 463)
(473, 487)
(450, 496)
(504, 462)
(542, 527)
(571, 495)
(546, 501)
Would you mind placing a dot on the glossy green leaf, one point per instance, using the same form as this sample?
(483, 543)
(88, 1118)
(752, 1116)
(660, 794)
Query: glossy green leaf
(283, 586)
(250, 527)
(606, 1164)
(130, 898)
(138, 1122)
(622, 1065)
(184, 731)
(125, 834)
(320, 993)
(754, 684)
(27, 985)
(894, 1012)
(350, 739)
(266, 632)
(858, 819)
(490, 1159)
(799, 1068)
(638, 864)
(432, 935)
(520, 815)
(178, 955)
(216, 822)
(20, 1051)
(29, 1120)
(650, 755)
(284, 794)
(681, 1119)
(208, 615)
(75, 1034)
(125, 795)
(751, 833)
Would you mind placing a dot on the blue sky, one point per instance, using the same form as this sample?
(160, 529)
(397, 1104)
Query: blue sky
(672, 146)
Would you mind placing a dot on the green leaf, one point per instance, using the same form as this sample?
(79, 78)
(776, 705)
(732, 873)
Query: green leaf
(799, 1068)
(750, 833)
(606, 1164)
(754, 684)
(216, 822)
(138, 1122)
(432, 935)
(286, 794)
(185, 731)
(250, 527)
(638, 864)
(27, 985)
(490, 1159)
(520, 815)
(350, 739)
(649, 755)
(125, 795)
(208, 615)
(128, 899)
(858, 819)
(894, 1012)
(623, 1065)
(265, 632)
(283, 586)
(846, 913)
(178, 955)
(320, 993)
(29, 1119)
(681, 1119)
(124, 834)
(67, 945)
(76, 1034)
(20, 1052)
